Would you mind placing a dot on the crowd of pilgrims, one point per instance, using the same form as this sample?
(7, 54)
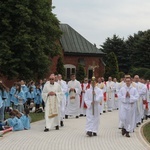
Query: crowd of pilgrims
(23, 98)
(18, 102)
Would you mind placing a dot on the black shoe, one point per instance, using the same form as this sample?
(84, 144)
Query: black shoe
(89, 133)
(104, 111)
(46, 130)
(57, 127)
(66, 116)
(94, 134)
(142, 120)
(146, 117)
(127, 134)
(123, 131)
(81, 115)
(100, 113)
(77, 116)
(61, 123)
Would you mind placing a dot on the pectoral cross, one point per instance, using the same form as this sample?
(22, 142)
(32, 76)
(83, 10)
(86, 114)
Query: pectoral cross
(93, 67)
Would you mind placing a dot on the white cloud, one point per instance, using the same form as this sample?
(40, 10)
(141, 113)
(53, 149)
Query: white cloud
(98, 19)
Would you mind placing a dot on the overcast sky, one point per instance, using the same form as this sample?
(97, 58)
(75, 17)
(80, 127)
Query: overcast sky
(97, 20)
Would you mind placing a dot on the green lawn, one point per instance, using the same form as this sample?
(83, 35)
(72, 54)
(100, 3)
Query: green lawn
(36, 116)
(146, 131)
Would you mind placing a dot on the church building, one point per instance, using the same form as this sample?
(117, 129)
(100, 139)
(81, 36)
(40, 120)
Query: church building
(77, 50)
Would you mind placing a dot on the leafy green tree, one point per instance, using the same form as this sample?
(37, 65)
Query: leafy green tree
(80, 74)
(29, 31)
(139, 71)
(111, 66)
(121, 75)
(118, 46)
(60, 67)
(139, 47)
(147, 75)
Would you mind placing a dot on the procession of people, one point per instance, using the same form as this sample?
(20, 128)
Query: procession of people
(90, 98)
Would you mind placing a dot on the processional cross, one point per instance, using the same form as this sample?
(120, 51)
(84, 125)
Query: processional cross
(93, 82)
(93, 66)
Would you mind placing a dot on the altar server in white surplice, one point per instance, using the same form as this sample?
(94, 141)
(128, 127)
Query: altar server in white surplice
(128, 96)
(92, 119)
(74, 90)
(52, 95)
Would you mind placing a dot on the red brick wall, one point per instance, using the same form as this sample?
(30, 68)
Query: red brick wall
(88, 62)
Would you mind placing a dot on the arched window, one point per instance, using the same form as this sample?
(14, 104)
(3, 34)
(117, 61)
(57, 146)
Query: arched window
(69, 69)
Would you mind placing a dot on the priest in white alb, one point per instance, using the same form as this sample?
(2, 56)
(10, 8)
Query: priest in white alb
(147, 103)
(141, 88)
(102, 86)
(52, 95)
(93, 96)
(74, 90)
(85, 85)
(64, 88)
(110, 94)
(128, 96)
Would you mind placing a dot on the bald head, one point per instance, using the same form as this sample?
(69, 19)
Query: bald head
(136, 78)
(109, 78)
(59, 76)
(52, 78)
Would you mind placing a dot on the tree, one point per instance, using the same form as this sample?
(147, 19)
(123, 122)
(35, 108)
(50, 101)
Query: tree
(29, 31)
(80, 73)
(139, 71)
(111, 66)
(118, 46)
(121, 75)
(147, 75)
(139, 47)
(60, 67)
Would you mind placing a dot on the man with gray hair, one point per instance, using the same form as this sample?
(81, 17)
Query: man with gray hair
(52, 96)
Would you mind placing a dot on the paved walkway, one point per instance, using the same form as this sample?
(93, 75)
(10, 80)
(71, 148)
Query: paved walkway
(72, 137)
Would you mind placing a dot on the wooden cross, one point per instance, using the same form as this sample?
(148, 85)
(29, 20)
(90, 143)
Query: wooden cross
(93, 67)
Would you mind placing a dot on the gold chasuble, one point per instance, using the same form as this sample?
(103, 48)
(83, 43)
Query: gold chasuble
(53, 106)
(72, 96)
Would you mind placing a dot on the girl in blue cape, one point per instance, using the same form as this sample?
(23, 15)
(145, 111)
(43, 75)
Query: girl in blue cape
(14, 122)
(24, 117)
(19, 98)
